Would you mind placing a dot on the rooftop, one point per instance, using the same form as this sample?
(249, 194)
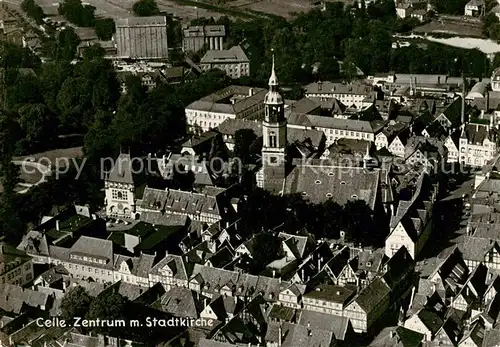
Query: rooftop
(233, 55)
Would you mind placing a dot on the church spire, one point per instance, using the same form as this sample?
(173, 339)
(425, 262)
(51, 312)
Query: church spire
(273, 80)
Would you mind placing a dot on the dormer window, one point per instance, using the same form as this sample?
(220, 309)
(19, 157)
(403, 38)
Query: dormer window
(317, 182)
(342, 183)
(329, 195)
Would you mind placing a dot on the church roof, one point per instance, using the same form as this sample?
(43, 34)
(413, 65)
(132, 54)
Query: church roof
(318, 183)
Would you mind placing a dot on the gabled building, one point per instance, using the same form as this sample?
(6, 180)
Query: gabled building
(368, 306)
(195, 38)
(412, 223)
(120, 190)
(234, 62)
(16, 267)
(233, 102)
(477, 144)
(348, 94)
(209, 208)
(330, 299)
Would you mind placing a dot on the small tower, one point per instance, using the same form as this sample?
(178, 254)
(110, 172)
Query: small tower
(120, 189)
(274, 137)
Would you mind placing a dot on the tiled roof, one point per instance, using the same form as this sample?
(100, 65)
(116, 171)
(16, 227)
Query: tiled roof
(122, 170)
(295, 335)
(141, 21)
(345, 124)
(371, 296)
(475, 248)
(176, 264)
(318, 320)
(179, 201)
(337, 88)
(180, 301)
(332, 293)
(341, 184)
(476, 133)
(214, 102)
(233, 55)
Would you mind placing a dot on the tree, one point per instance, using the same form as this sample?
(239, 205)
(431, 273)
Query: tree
(109, 305)
(25, 89)
(38, 122)
(268, 248)
(146, 8)
(33, 10)
(453, 7)
(75, 303)
(77, 13)
(105, 28)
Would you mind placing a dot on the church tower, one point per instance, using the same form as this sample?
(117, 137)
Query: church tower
(274, 138)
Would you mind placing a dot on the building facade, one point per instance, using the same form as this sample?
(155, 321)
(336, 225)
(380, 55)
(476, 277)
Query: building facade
(348, 94)
(233, 62)
(233, 102)
(197, 37)
(119, 189)
(142, 37)
(16, 267)
(477, 145)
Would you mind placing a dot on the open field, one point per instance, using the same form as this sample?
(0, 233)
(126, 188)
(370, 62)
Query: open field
(123, 8)
(283, 8)
(451, 27)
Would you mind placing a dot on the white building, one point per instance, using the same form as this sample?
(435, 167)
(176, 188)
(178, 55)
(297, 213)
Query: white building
(234, 62)
(349, 94)
(119, 189)
(229, 103)
(336, 128)
(477, 144)
(412, 223)
(474, 8)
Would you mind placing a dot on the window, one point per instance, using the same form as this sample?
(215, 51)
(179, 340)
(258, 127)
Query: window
(272, 139)
(118, 194)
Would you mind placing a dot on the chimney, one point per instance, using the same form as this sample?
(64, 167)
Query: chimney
(57, 225)
(274, 273)
(320, 85)
(250, 92)
(309, 331)
(412, 296)
(391, 334)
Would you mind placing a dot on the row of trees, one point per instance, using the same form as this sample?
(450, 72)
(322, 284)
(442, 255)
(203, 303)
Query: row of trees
(84, 16)
(33, 10)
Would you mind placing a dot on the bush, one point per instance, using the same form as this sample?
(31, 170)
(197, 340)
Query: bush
(76, 13)
(105, 28)
(145, 8)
